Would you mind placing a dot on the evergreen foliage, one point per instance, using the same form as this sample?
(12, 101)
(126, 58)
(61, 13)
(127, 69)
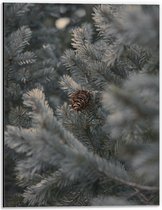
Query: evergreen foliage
(32, 48)
(107, 152)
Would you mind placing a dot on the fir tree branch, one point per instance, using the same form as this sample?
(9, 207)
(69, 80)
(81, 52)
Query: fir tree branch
(18, 40)
(138, 186)
(69, 85)
(81, 36)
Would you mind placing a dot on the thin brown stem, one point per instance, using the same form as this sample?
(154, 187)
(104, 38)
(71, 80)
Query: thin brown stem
(138, 186)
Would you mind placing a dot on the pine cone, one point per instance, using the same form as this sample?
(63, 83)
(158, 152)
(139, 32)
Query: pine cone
(80, 100)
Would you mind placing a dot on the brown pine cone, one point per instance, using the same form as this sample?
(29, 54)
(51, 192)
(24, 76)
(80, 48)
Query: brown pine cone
(79, 100)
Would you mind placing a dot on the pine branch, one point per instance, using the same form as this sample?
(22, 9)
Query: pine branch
(77, 67)
(19, 9)
(69, 85)
(138, 186)
(86, 125)
(18, 40)
(105, 16)
(21, 144)
(44, 75)
(18, 117)
(81, 36)
(25, 58)
(44, 191)
(66, 152)
(48, 191)
(134, 105)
